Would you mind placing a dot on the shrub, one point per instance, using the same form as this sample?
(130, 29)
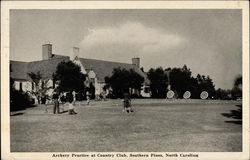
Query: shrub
(19, 100)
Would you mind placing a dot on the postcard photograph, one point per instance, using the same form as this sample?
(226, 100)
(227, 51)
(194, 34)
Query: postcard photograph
(126, 80)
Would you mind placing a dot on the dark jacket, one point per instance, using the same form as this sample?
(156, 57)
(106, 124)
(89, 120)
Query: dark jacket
(55, 96)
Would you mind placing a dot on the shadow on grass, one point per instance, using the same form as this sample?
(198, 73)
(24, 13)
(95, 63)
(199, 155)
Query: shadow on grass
(61, 112)
(234, 122)
(15, 108)
(17, 114)
(235, 114)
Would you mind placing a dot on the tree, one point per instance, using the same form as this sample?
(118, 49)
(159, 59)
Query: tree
(135, 80)
(41, 86)
(205, 84)
(210, 87)
(180, 80)
(238, 81)
(69, 76)
(118, 81)
(36, 78)
(237, 88)
(194, 88)
(122, 80)
(222, 94)
(158, 82)
(18, 99)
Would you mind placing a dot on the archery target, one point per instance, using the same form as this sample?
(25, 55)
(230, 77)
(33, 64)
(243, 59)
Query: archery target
(187, 95)
(170, 94)
(204, 95)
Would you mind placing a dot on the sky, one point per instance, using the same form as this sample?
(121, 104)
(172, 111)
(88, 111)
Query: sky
(208, 41)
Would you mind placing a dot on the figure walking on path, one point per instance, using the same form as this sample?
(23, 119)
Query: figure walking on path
(55, 98)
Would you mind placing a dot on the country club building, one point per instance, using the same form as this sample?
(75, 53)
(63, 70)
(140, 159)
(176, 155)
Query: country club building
(95, 70)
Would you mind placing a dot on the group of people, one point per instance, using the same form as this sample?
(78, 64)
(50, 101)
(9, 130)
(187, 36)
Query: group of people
(69, 100)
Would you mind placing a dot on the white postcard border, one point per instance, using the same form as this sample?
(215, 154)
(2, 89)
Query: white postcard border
(5, 118)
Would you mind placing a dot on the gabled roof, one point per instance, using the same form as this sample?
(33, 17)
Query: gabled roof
(46, 67)
(59, 56)
(18, 70)
(101, 68)
(105, 68)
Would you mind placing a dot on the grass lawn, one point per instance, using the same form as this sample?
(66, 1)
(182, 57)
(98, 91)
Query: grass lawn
(155, 126)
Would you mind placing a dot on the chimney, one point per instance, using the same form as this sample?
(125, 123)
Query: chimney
(136, 62)
(47, 51)
(74, 53)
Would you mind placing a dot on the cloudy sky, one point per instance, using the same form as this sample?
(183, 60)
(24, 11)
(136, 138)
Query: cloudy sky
(207, 41)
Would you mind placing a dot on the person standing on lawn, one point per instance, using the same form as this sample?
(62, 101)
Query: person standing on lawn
(55, 98)
(127, 103)
(71, 106)
(74, 97)
(88, 97)
(47, 102)
(62, 100)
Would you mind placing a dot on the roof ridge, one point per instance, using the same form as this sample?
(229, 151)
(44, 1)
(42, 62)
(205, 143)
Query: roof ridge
(105, 61)
(19, 61)
(60, 55)
(49, 59)
(63, 57)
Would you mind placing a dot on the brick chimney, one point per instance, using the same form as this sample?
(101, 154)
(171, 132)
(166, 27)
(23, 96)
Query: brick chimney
(136, 62)
(47, 51)
(74, 53)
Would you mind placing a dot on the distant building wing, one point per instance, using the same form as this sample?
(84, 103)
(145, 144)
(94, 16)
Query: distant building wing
(105, 68)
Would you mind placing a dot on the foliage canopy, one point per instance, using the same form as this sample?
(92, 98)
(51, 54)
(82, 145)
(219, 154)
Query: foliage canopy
(69, 76)
(122, 80)
(180, 80)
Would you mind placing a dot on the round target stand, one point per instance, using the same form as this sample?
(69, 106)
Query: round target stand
(187, 95)
(170, 94)
(204, 95)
